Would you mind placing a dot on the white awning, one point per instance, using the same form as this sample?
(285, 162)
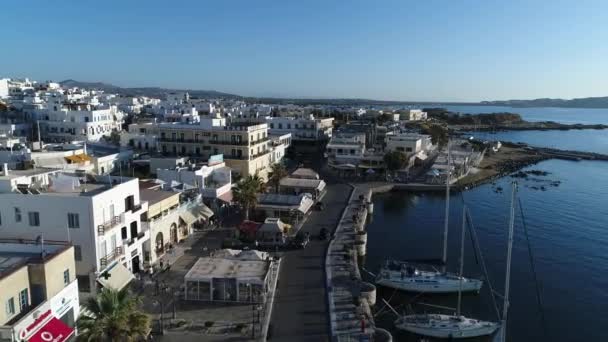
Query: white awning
(205, 212)
(116, 277)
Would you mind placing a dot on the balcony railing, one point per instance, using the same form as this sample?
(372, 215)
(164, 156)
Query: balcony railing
(229, 142)
(113, 255)
(108, 225)
(136, 207)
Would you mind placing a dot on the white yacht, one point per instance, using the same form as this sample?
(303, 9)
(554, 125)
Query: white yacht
(445, 326)
(406, 277)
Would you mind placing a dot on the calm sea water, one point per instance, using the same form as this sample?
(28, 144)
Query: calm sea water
(568, 227)
(590, 140)
(562, 115)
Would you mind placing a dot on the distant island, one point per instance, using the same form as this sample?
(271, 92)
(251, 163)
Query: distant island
(498, 121)
(156, 92)
(587, 102)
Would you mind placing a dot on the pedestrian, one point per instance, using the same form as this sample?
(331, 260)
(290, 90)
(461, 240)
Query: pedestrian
(162, 263)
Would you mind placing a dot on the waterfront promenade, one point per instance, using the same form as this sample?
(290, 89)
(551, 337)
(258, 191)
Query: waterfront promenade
(300, 307)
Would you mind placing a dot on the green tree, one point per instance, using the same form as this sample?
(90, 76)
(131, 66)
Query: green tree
(395, 160)
(277, 172)
(113, 316)
(439, 133)
(246, 190)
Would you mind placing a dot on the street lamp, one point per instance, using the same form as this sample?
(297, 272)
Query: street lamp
(162, 310)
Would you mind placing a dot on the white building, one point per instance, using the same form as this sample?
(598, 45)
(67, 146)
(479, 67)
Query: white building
(408, 142)
(306, 129)
(414, 115)
(78, 121)
(213, 180)
(101, 216)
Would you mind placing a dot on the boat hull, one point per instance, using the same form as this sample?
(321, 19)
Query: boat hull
(411, 285)
(445, 328)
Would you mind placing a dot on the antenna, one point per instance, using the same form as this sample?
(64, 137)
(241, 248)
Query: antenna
(447, 210)
(462, 234)
(505, 307)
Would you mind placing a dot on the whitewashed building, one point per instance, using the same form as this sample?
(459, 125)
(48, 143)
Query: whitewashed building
(101, 216)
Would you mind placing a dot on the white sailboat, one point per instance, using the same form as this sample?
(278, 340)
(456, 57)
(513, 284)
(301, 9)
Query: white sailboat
(448, 326)
(406, 276)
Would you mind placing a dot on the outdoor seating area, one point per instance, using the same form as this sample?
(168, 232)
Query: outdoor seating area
(229, 276)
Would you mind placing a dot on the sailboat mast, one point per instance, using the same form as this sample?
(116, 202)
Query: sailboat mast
(462, 234)
(505, 307)
(447, 211)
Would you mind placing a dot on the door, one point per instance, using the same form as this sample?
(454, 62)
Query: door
(135, 264)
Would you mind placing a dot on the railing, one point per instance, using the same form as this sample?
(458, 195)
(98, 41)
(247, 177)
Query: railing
(229, 142)
(113, 255)
(106, 226)
(260, 154)
(136, 207)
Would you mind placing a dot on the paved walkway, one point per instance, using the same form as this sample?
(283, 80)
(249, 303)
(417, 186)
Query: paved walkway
(300, 310)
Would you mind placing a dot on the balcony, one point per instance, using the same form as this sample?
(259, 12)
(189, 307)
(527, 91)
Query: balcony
(113, 255)
(108, 225)
(229, 142)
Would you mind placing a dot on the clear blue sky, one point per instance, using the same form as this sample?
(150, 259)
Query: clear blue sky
(397, 50)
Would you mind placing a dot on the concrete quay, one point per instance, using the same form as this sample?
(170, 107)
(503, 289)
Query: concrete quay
(349, 298)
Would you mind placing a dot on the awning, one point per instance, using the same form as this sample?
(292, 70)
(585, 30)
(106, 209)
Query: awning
(78, 158)
(205, 212)
(117, 277)
(54, 330)
(188, 217)
(226, 197)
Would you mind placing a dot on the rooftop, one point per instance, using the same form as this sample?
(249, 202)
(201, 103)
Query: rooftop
(303, 183)
(16, 253)
(155, 196)
(305, 173)
(207, 268)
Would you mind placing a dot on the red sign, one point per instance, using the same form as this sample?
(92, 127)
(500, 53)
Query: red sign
(53, 331)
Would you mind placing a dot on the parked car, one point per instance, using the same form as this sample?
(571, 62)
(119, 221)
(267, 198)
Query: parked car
(300, 241)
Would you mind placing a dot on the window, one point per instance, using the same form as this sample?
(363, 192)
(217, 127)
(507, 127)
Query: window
(17, 214)
(73, 220)
(34, 218)
(23, 300)
(272, 126)
(173, 136)
(123, 233)
(10, 307)
(66, 277)
(77, 253)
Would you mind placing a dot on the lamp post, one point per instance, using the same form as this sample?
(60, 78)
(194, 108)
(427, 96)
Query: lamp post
(162, 310)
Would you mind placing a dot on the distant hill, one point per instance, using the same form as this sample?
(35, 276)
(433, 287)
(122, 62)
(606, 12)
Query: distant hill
(142, 91)
(586, 102)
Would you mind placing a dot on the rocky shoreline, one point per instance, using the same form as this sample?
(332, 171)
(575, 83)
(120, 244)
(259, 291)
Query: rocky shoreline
(526, 126)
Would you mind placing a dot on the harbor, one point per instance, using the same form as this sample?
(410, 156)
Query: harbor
(408, 225)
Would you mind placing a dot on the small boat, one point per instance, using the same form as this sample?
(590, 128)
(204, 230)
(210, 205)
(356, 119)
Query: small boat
(406, 277)
(445, 326)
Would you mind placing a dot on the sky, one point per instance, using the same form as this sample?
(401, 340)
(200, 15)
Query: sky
(387, 50)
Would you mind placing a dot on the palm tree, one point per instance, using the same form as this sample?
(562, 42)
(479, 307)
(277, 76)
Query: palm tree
(246, 190)
(277, 172)
(113, 316)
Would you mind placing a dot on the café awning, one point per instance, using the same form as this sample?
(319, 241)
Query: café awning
(54, 330)
(116, 277)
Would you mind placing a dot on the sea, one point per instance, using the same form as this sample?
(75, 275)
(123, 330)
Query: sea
(565, 212)
(588, 116)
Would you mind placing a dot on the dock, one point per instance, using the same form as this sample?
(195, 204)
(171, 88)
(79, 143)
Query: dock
(350, 299)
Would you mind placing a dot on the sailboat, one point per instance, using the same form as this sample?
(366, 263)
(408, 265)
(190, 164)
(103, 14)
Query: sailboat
(407, 276)
(448, 326)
